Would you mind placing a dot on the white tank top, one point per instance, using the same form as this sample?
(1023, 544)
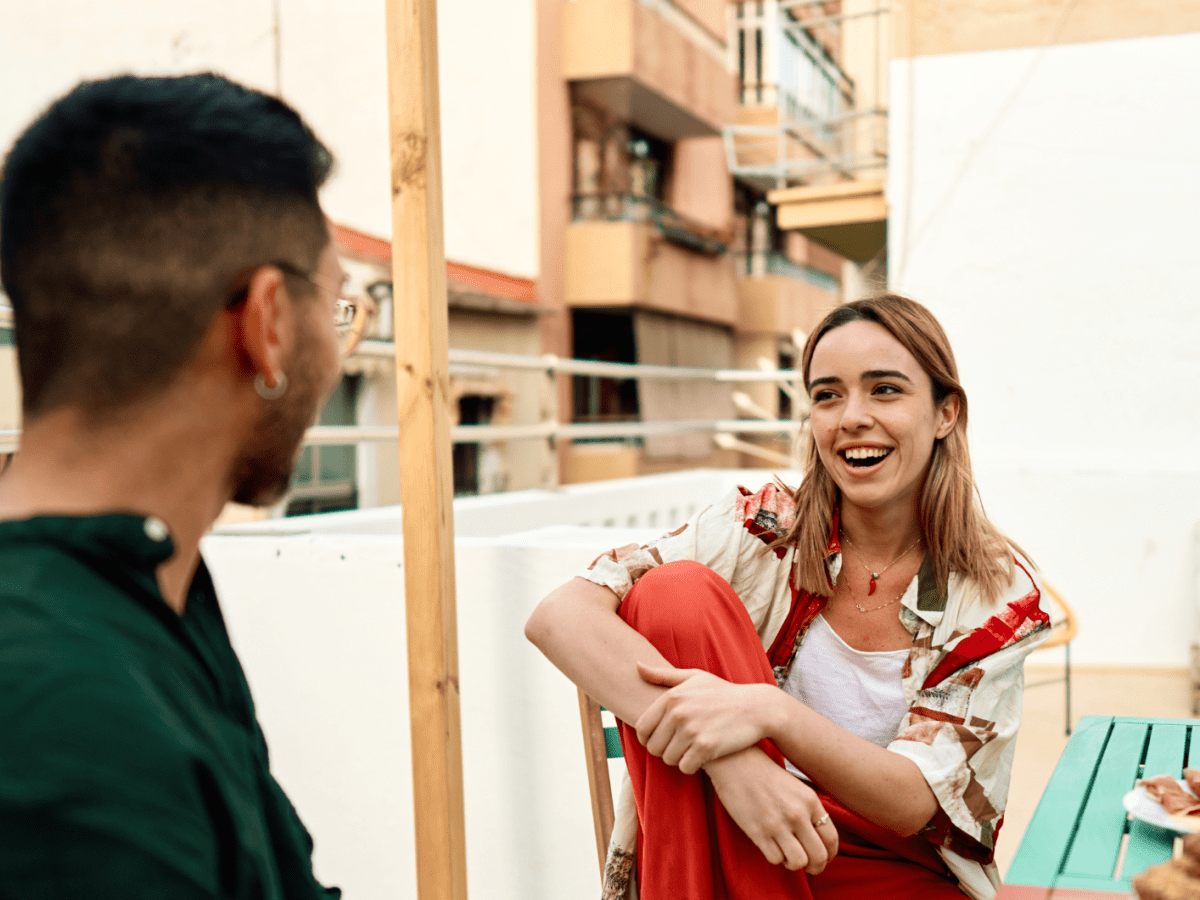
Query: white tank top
(857, 690)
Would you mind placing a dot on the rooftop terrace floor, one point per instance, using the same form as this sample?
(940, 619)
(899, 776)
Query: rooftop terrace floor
(1095, 690)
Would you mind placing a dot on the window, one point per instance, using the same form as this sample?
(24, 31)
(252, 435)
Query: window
(6, 337)
(325, 478)
(608, 337)
(473, 462)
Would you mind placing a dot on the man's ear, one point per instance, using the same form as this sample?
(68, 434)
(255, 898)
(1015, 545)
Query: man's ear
(947, 415)
(263, 326)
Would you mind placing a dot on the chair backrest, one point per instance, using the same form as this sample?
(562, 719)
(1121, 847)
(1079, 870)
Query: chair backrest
(1063, 624)
(600, 744)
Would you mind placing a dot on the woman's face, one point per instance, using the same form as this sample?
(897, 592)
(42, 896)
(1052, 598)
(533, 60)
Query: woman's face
(873, 416)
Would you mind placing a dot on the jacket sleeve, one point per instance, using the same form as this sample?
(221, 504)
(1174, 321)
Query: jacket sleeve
(961, 730)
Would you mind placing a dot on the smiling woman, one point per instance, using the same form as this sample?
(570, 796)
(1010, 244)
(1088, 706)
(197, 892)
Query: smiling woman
(867, 742)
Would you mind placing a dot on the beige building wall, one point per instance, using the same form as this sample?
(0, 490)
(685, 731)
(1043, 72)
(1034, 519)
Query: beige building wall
(521, 397)
(936, 27)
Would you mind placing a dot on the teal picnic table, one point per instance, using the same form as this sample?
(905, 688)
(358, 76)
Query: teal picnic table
(1081, 844)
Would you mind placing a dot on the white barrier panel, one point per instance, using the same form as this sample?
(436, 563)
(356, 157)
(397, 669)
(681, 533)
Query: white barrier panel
(318, 621)
(649, 501)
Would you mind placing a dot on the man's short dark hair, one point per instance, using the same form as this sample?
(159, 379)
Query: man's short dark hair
(129, 210)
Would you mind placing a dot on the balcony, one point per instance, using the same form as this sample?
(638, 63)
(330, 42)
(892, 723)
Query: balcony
(784, 297)
(812, 122)
(649, 63)
(631, 251)
(849, 218)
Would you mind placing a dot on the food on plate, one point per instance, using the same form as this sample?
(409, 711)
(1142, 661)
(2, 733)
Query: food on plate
(1173, 797)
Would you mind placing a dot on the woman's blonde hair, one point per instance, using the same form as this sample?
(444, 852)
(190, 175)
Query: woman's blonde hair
(956, 532)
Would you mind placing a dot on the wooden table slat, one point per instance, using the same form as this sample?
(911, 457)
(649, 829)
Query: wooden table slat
(1149, 845)
(1046, 839)
(1097, 841)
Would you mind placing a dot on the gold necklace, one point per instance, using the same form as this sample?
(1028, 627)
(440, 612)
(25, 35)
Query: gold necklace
(866, 609)
(875, 576)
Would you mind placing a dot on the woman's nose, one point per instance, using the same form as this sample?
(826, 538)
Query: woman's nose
(855, 414)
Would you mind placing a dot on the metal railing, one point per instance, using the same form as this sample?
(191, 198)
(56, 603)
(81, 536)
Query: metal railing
(477, 362)
(614, 206)
(827, 124)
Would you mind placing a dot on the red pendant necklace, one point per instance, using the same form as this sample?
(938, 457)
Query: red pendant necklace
(875, 576)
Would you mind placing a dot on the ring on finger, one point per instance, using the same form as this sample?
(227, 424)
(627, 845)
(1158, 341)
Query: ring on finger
(821, 821)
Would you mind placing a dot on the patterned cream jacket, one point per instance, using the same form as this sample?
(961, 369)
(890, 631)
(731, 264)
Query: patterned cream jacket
(962, 682)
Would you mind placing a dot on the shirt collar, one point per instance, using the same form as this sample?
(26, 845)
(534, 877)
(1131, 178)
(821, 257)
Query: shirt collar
(143, 541)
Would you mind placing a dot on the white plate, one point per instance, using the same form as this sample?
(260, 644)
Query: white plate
(1141, 805)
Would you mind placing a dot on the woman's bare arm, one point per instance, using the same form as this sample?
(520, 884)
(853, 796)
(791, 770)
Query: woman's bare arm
(578, 629)
(883, 787)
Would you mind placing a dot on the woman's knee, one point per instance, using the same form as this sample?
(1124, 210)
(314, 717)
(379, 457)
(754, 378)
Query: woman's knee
(678, 601)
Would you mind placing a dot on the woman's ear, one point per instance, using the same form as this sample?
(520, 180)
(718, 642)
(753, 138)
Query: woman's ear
(947, 415)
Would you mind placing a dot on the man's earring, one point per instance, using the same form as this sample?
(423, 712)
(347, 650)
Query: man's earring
(271, 393)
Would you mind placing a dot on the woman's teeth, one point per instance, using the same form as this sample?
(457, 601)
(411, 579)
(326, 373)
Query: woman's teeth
(861, 457)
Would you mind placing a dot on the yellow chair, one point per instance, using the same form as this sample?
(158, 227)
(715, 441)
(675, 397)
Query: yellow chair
(1063, 628)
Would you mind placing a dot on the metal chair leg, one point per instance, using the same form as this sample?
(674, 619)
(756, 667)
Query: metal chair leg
(1067, 648)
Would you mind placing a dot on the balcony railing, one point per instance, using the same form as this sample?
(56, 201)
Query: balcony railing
(825, 124)
(775, 263)
(679, 230)
(550, 428)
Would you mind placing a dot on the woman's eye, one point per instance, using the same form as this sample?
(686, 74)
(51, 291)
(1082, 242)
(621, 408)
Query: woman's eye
(886, 389)
(821, 396)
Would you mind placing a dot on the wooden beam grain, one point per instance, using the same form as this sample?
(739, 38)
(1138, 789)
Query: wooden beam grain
(426, 481)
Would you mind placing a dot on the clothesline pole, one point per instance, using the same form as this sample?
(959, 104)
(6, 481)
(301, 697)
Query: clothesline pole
(426, 482)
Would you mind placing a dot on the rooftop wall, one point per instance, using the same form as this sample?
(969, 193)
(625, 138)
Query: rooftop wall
(1043, 204)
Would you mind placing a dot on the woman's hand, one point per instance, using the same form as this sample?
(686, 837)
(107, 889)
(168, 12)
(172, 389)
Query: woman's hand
(776, 810)
(702, 717)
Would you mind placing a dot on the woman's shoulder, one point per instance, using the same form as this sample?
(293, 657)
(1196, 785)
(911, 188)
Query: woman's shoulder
(1018, 595)
(767, 513)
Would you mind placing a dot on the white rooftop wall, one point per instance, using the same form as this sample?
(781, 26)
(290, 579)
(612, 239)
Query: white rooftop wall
(1043, 204)
(333, 69)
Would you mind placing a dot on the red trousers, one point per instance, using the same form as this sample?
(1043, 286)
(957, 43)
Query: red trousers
(689, 848)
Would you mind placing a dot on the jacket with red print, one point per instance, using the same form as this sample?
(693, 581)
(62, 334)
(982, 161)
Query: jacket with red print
(962, 682)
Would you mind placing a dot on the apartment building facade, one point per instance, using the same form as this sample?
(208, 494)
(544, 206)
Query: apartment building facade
(669, 255)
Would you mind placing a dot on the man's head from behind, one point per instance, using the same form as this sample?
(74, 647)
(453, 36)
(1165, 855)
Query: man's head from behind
(133, 212)
(129, 212)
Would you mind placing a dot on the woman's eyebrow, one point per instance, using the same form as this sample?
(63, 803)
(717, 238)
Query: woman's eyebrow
(872, 374)
(828, 379)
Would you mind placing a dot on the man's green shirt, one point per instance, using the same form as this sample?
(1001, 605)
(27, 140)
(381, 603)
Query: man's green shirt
(131, 761)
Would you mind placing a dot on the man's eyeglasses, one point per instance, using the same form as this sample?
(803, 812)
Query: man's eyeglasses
(350, 313)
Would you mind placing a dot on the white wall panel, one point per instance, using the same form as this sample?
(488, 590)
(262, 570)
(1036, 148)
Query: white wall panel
(1043, 204)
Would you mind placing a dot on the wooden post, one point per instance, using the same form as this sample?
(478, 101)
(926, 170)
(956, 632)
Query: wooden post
(426, 480)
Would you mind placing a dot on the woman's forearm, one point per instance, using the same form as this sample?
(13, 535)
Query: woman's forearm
(883, 787)
(578, 629)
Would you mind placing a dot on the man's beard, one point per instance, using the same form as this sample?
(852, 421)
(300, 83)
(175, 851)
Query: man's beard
(262, 472)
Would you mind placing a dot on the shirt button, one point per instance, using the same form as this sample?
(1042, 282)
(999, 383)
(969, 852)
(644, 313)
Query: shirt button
(156, 529)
